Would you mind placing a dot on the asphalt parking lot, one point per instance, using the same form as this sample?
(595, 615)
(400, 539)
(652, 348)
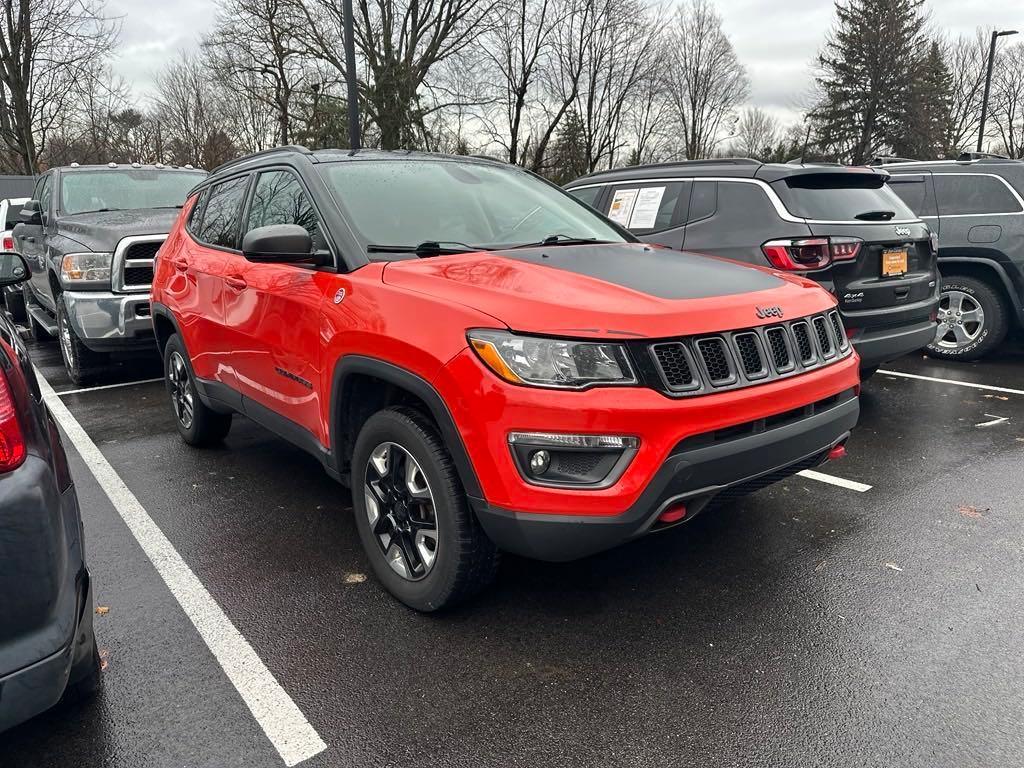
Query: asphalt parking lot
(810, 624)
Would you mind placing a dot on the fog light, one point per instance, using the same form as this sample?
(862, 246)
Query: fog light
(539, 462)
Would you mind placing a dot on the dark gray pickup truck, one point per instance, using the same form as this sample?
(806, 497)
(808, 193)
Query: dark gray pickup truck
(89, 235)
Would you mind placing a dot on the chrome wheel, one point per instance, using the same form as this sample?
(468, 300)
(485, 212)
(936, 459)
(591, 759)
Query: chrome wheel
(400, 510)
(66, 347)
(961, 320)
(182, 397)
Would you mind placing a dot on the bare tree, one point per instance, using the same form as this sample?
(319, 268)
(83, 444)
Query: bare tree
(966, 58)
(757, 134)
(46, 47)
(1007, 105)
(707, 80)
(255, 47)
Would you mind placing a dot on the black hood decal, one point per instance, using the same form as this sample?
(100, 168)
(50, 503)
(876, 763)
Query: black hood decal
(659, 272)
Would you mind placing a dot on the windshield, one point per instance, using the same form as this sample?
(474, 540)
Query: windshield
(123, 189)
(404, 203)
(843, 197)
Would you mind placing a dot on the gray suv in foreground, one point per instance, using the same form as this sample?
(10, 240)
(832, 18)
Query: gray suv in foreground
(47, 646)
(977, 208)
(841, 227)
(90, 234)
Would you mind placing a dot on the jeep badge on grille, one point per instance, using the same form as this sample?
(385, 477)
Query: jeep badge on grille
(763, 312)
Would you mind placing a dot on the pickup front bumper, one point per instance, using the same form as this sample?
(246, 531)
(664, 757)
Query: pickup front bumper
(108, 321)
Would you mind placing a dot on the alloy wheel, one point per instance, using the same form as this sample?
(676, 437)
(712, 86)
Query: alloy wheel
(64, 332)
(182, 397)
(961, 320)
(400, 509)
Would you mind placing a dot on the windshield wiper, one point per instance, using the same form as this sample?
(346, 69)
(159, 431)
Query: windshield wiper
(560, 239)
(875, 215)
(428, 248)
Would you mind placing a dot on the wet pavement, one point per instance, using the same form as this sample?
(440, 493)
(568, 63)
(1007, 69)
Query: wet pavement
(809, 624)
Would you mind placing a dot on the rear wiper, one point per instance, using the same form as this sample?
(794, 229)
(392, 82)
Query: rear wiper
(427, 248)
(875, 215)
(559, 239)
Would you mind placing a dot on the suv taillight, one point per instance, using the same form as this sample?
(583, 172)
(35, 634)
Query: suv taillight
(12, 440)
(810, 253)
(8, 243)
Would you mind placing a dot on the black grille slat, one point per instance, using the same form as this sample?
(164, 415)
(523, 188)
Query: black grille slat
(837, 326)
(751, 359)
(803, 342)
(716, 360)
(779, 349)
(824, 340)
(675, 365)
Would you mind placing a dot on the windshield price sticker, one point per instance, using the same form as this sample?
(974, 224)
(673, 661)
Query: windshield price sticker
(622, 206)
(645, 210)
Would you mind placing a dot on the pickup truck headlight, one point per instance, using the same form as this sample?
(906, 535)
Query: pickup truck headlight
(544, 362)
(86, 267)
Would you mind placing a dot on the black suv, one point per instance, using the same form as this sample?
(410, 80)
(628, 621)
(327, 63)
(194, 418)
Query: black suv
(90, 234)
(977, 208)
(839, 226)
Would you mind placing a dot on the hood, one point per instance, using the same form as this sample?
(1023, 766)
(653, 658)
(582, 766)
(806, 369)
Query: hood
(102, 231)
(623, 290)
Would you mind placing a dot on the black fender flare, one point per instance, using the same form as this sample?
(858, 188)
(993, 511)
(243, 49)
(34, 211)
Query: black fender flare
(416, 385)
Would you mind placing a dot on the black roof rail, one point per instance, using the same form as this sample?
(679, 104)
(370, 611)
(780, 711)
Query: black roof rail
(965, 156)
(262, 153)
(677, 163)
(883, 159)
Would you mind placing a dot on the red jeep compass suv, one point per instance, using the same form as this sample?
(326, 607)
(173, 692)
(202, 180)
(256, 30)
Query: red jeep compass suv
(487, 362)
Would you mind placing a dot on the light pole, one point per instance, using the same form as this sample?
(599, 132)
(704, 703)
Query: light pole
(350, 75)
(988, 80)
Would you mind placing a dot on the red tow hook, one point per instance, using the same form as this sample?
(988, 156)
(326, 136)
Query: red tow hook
(673, 514)
(837, 452)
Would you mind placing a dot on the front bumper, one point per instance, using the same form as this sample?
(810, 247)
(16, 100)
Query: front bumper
(105, 321)
(694, 473)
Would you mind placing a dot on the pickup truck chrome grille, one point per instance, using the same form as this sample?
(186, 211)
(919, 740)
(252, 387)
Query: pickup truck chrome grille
(133, 262)
(703, 364)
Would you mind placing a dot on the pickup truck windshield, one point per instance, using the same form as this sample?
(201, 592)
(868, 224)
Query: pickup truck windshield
(119, 189)
(403, 203)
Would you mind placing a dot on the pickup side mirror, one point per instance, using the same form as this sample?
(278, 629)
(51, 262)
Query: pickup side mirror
(32, 213)
(279, 243)
(13, 269)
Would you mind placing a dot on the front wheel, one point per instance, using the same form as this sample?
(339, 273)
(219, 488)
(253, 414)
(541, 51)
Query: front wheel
(423, 541)
(84, 366)
(973, 319)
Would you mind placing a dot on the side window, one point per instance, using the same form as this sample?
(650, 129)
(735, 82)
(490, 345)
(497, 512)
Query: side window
(967, 194)
(195, 216)
(221, 217)
(45, 194)
(587, 195)
(913, 190)
(703, 200)
(279, 199)
(647, 208)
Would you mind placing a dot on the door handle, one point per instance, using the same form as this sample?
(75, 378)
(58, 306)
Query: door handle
(236, 283)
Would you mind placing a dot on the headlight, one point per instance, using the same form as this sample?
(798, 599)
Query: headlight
(86, 267)
(552, 362)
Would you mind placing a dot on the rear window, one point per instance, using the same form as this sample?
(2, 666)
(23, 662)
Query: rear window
(842, 197)
(915, 192)
(964, 193)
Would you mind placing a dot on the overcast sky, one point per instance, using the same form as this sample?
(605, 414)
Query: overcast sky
(776, 41)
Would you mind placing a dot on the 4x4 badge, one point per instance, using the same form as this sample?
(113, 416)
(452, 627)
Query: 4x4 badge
(763, 312)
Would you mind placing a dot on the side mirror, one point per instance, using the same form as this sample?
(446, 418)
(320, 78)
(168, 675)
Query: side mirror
(279, 243)
(13, 269)
(32, 213)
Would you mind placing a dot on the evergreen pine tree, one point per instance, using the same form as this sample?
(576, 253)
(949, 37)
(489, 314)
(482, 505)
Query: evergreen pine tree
(568, 155)
(922, 132)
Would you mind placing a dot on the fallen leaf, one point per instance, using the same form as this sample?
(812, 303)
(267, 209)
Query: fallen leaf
(354, 578)
(102, 610)
(894, 567)
(972, 512)
(818, 568)
(104, 653)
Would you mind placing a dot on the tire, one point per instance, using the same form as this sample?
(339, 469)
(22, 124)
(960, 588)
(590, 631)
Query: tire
(86, 677)
(84, 366)
(975, 338)
(199, 425)
(15, 301)
(464, 561)
(36, 332)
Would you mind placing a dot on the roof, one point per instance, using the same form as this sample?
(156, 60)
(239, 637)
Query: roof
(345, 155)
(743, 168)
(73, 167)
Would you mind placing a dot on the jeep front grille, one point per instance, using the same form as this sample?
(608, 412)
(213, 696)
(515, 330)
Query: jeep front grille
(133, 262)
(715, 362)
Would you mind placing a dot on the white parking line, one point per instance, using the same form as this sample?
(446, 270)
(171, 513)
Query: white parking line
(281, 720)
(105, 386)
(988, 387)
(842, 482)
